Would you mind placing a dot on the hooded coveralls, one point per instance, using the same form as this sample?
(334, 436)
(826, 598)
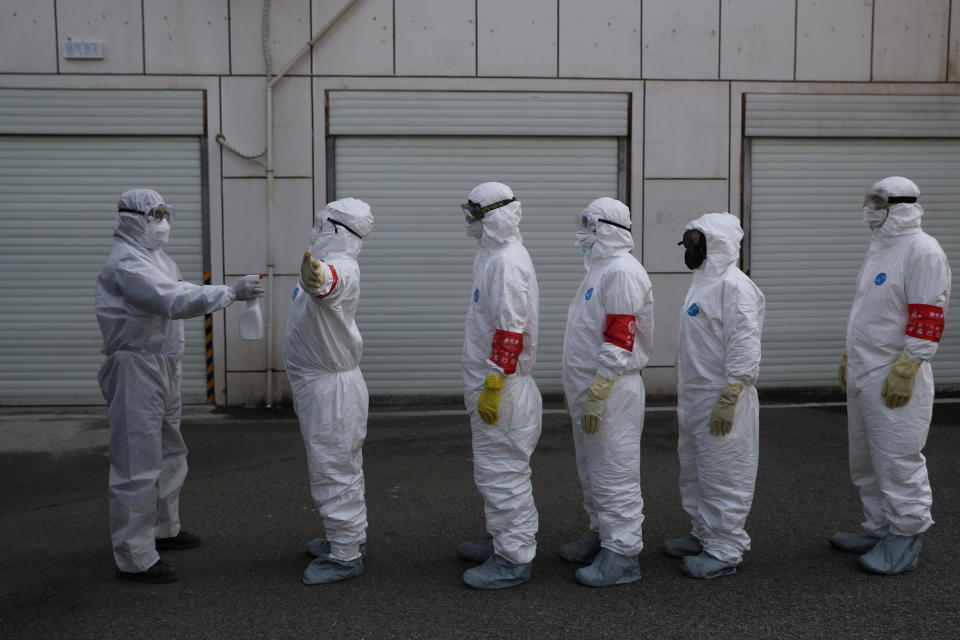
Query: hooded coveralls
(500, 337)
(903, 290)
(609, 332)
(321, 353)
(719, 340)
(140, 302)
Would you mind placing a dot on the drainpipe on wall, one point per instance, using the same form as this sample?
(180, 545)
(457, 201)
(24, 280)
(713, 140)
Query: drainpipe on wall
(271, 210)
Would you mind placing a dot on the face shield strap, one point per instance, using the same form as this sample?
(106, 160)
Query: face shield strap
(475, 211)
(615, 224)
(157, 212)
(337, 223)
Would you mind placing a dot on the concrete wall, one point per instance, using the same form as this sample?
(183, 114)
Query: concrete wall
(686, 62)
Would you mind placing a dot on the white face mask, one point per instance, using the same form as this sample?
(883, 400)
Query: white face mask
(474, 229)
(875, 217)
(585, 240)
(156, 235)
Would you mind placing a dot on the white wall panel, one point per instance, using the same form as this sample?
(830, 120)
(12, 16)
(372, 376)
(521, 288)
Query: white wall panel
(516, 39)
(248, 388)
(668, 205)
(686, 130)
(118, 24)
(28, 40)
(910, 40)
(360, 43)
(757, 39)
(244, 125)
(245, 223)
(436, 38)
(681, 39)
(833, 39)
(289, 31)
(669, 291)
(187, 37)
(953, 63)
(600, 39)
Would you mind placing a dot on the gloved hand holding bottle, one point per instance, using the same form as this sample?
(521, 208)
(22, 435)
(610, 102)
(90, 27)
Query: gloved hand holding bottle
(489, 403)
(721, 420)
(898, 387)
(248, 287)
(593, 405)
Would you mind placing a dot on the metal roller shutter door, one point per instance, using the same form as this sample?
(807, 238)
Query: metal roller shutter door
(807, 241)
(58, 199)
(417, 263)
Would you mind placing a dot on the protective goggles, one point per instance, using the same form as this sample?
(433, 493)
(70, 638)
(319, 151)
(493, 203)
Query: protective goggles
(473, 211)
(155, 213)
(337, 224)
(586, 226)
(877, 201)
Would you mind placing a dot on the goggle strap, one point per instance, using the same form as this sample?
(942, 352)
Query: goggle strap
(126, 210)
(615, 224)
(901, 200)
(490, 207)
(337, 223)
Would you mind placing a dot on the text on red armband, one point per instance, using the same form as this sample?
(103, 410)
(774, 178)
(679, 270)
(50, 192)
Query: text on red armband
(506, 349)
(926, 322)
(621, 330)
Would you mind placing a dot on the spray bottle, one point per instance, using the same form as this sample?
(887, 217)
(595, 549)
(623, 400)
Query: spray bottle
(251, 320)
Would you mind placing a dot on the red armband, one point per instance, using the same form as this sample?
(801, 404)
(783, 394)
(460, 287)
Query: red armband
(506, 349)
(621, 330)
(926, 322)
(333, 285)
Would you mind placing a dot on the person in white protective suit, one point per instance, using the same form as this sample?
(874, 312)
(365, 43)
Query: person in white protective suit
(140, 302)
(322, 356)
(607, 341)
(501, 397)
(894, 328)
(718, 359)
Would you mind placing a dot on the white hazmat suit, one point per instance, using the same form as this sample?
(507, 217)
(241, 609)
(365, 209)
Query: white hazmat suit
(718, 346)
(140, 302)
(609, 333)
(903, 291)
(500, 343)
(321, 353)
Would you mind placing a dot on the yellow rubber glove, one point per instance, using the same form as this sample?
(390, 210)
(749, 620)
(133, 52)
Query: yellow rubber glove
(721, 420)
(311, 271)
(898, 387)
(489, 403)
(593, 406)
(842, 373)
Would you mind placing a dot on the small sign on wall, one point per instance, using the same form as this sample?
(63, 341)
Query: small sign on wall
(91, 50)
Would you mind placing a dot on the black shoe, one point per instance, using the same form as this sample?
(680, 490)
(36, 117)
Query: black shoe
(159, 573)
(182, 540)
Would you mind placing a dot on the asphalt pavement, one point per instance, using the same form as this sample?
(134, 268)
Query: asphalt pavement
(247, 496)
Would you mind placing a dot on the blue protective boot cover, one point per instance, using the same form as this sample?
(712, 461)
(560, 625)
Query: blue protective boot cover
(610, 568)
(583, 550)
(327, 570)
(682, 547)
(892, 555)
(705, 566)
(320, 548)
(858, 543)
(476, 550)
(497, 573)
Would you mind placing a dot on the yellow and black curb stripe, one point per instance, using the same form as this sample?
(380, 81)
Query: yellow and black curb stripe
(208, 345)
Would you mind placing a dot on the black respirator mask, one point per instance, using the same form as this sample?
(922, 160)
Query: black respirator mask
(696, 248)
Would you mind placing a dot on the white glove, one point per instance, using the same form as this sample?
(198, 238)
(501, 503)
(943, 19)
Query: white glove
(248, 287)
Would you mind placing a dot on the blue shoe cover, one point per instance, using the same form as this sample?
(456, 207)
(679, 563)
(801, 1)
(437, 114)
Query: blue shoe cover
(892, 555)
(583, 550)
(497, 573)
(476, 550)
(320, 548)
(858, 543)
(705, 566)
(327, 570)
(610, 568)
(682, 547)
